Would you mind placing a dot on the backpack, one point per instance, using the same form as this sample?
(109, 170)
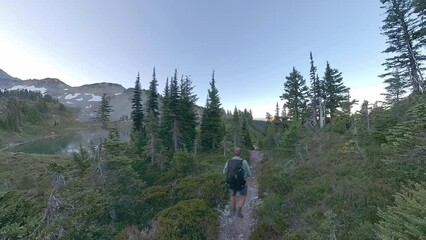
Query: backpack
(235, 175)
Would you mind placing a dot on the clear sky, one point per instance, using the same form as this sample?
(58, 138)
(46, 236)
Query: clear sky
(252, 45)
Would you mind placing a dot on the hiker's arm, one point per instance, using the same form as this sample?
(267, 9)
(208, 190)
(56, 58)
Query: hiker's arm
(225, 169)
(246, 168)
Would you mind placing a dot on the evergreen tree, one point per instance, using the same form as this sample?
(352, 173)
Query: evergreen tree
(395, 88)
(365, 114)
(176, 112)
(153, 145)
(277, 113)
(420, 10)
(188, 119)
(246, 135)
(406, 219)
(210, 123)
(295, 96)
(137, 110)
(104, 112)
(315, 91)
(401, 28)
(268, 118)
(166, 121)
(153, 96)
(236, 127)
(334, 90)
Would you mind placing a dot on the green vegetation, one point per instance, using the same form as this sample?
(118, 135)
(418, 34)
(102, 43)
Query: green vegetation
(26, 115)
(339, 181)
(158, 182)
(328, 174)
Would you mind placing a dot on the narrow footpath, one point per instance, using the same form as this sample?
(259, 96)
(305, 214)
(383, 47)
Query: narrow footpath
(240, 228)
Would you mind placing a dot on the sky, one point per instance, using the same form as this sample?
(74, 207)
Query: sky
(251, 45)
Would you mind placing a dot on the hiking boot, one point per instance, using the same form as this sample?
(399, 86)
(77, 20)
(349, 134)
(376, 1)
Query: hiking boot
(239, 214)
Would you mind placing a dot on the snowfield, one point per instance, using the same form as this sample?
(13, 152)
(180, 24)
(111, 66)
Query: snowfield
(71, 96)
(95, 98)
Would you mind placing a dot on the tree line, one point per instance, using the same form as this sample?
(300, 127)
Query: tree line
(164, 125)
(20, 107)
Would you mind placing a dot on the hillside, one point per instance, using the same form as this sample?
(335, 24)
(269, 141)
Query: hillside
(360, 182)
(26, 115)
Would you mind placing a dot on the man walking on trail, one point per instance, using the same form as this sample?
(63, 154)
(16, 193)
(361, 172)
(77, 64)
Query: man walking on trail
(237, 170)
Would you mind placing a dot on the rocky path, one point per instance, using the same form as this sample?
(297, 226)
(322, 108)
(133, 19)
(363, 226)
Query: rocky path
(240, 228)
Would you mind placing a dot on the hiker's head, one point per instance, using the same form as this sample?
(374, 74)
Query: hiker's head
(237, 151)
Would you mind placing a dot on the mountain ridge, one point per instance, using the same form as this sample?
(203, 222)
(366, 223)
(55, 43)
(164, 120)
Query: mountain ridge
(86, 97)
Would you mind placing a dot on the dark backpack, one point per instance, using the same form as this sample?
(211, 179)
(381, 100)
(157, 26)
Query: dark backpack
(235, 175)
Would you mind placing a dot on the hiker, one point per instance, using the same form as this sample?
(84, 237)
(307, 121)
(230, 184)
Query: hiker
(237, 171)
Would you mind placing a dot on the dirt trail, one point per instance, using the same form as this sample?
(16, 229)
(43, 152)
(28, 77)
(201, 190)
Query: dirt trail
(240, 228)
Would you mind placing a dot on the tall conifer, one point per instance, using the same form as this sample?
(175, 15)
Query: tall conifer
(104, 112)
(295, 95)
(404, 40)
(210, 123)
(334, 90)
(153, 96)
(137, 109)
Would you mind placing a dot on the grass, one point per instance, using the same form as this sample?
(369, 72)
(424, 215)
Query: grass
(26, 171)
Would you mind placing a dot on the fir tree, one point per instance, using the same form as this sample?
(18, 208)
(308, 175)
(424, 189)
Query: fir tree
(188, 119)
(104, 112)
(420, 10)
(176, 112)
(295, 95)
(153, 143)
(268, 118)
(246, 135)
(137, 110)
(406, 219)
(400, 27)
(166, 121)
(334, 91)
(153, 96)
(395, 88)
(210, 123)
(277, 113)
(236, 127)
(315, 91)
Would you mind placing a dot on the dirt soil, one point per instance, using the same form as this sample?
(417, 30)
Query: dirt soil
(233, 227)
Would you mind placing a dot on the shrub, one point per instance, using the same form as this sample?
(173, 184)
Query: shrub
(405, 220)
(190, 219)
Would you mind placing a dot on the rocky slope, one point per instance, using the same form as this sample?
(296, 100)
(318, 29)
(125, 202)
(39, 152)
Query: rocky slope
(86, 97)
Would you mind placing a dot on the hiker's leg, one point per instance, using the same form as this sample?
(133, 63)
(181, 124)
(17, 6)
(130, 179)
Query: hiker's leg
(243, 196)
(241, 202)
(232, 201)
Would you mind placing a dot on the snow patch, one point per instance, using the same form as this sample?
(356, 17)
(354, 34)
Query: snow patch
(94, 98)
(29, 88)
(79, 99)
(65, 89)
(69, 102)
(117, 93)
(89, 106)
(71, 96)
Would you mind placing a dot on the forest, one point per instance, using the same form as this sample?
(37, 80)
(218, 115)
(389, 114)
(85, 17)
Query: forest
(330, 171)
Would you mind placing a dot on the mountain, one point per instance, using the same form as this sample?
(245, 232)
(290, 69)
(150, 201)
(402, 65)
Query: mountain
(6, 80)
(4, 75)
(86, 97)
